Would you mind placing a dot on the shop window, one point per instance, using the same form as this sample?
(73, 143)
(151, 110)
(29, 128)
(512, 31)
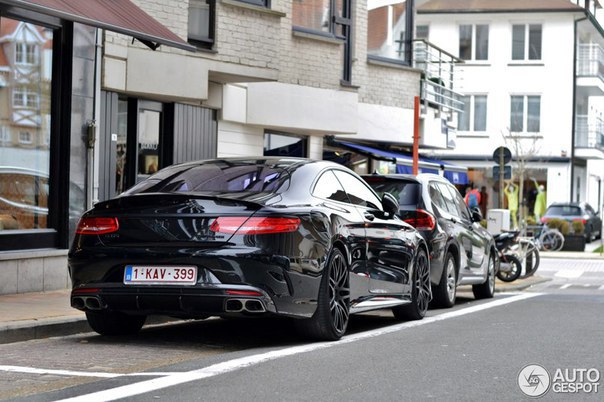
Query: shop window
(25, 170)
(280, 144)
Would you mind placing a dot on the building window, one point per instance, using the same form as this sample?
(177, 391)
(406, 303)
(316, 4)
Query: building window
(387, 35)
(474, 42)
(262, 3)
(282, 144)
(25, 53)
(201, 23)
(525, 111)
(23, 97)
(523, 49)
(422, 32)
(25, 137)
(331, 18)
(4, 135)
(474, 115)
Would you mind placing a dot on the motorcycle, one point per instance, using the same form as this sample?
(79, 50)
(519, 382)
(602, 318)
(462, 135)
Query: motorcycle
(510, 266)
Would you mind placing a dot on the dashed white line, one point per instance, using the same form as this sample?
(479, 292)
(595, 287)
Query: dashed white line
(248, 361)
(570, 274)
(566, 286)
(601, 287)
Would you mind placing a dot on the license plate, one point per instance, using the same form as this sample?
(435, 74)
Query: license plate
(154, 275)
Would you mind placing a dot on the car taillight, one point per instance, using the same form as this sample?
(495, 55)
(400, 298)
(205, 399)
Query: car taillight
(544, 220)
(423, 220)
(256, 225)
(584, 221)
(92, 225)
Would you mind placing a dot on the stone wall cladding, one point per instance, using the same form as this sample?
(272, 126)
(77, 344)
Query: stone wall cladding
(307, 61)
(380, 85)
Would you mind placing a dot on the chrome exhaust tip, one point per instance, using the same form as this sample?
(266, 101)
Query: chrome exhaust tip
(254, 306)
(233, 306)
(93, 303)
(78, 302)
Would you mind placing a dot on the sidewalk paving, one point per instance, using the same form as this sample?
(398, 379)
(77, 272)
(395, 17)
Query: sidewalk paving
(27, 316)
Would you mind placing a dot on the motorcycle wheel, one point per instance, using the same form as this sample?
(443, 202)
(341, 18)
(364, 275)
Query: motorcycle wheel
(513, 269)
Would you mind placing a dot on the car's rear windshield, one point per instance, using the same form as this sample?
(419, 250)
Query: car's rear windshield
(219, 176)
(563, 210)
(406, 192)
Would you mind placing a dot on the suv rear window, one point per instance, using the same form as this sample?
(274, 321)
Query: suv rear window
(406, 192)
(563, 210)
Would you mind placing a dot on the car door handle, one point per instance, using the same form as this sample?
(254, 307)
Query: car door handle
(369, 216)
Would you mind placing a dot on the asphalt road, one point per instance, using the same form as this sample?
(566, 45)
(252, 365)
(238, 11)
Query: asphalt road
(474, 351)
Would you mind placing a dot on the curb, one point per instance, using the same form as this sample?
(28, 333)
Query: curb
(27, 330)
(502, 287)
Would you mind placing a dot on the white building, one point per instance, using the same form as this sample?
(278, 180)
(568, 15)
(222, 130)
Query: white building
(531, 73)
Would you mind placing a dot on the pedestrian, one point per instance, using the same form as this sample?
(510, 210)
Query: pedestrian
(484, 201)
(472, 198)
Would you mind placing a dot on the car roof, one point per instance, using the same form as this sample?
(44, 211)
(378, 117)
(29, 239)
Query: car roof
(420, 178)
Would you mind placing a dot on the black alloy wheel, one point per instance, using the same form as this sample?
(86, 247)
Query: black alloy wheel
(420, 292)
(113, 323)
(330, 320)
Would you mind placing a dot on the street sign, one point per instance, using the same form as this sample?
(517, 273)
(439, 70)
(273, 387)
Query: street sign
(507, 172)
(507, 155)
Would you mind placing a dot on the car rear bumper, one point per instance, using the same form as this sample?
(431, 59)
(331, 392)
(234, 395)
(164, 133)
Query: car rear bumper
(275, 284)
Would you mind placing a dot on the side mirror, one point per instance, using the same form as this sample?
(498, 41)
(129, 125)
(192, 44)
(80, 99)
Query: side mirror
(390, 204)
(476, 214)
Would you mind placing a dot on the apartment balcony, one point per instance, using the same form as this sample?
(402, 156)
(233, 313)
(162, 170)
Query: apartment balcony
(438, 78)
(589, 137)
(590, 69)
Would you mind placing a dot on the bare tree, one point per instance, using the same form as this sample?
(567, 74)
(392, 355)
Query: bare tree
(524, 148)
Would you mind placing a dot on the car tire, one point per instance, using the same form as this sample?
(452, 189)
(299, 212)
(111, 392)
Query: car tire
(420, 291)
(486, 290)
(112, 323)
(330, 320)
(445, 292)
(588, 234)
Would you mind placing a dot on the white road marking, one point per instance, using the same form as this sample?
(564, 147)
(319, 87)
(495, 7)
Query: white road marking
(601, 287)
(70, 373)
(566, 286)
(248, 361)
(570, 274)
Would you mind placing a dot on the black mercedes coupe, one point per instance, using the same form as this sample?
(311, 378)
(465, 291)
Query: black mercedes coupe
(248, 237)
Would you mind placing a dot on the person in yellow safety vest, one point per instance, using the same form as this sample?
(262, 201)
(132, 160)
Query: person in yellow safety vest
(511, 191)
(540, 201)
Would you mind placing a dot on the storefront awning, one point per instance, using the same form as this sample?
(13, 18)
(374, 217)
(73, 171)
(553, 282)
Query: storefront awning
(404, 163)
(121, 16)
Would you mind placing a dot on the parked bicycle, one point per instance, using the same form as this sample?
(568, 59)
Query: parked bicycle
(535, 239)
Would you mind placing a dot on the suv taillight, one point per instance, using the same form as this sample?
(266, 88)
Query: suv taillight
(96, 225)
(422, 220)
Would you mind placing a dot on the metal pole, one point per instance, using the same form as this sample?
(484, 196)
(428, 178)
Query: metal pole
(416, 136)
(501, 177)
